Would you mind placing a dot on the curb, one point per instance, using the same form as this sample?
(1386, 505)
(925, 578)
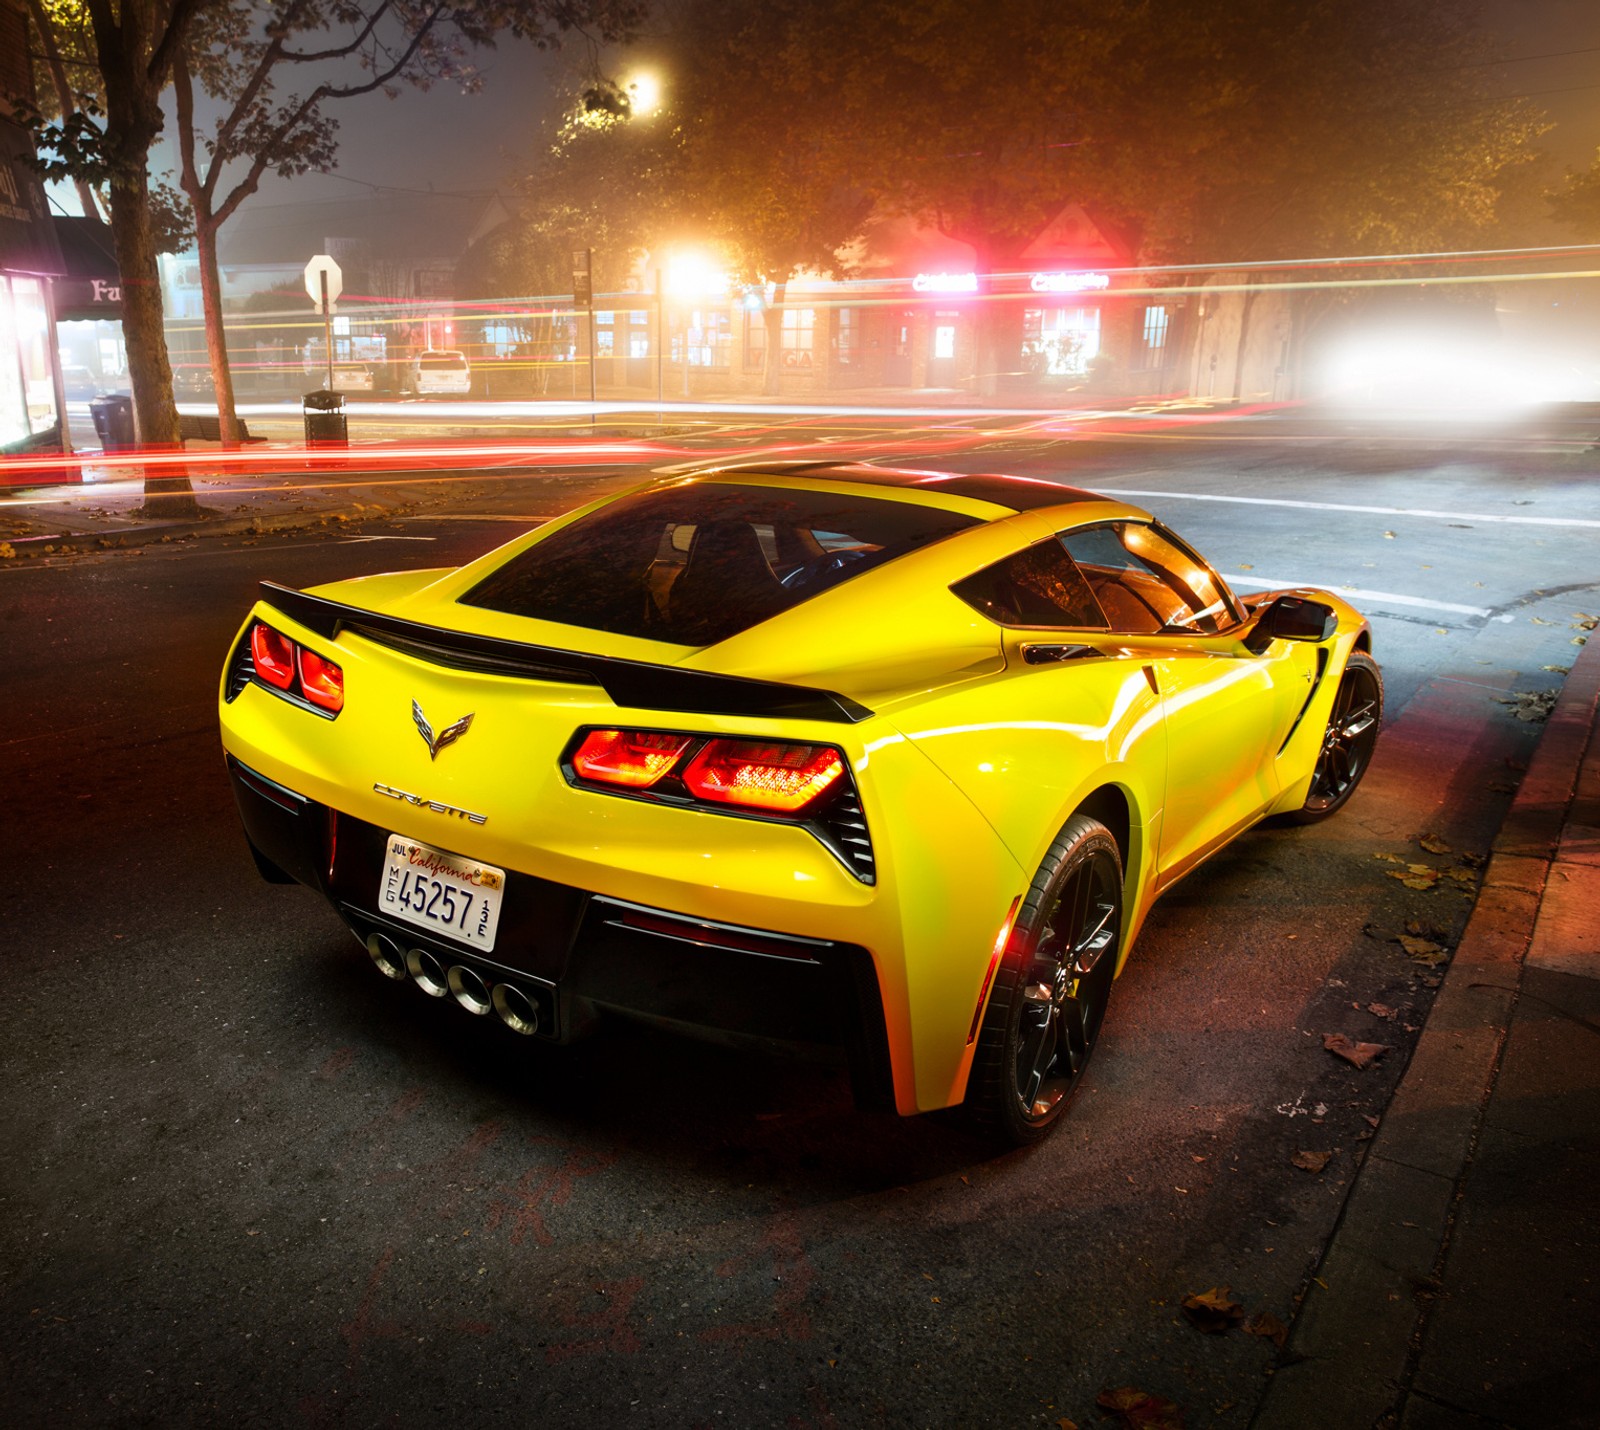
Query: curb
(1351, 1354)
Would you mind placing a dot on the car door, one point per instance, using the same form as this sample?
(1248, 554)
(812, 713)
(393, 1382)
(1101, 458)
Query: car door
(1223, 706)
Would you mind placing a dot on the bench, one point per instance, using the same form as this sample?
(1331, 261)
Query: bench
(207, 427)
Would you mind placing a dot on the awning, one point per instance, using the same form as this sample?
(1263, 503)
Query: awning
(27, 238)
(93, 286)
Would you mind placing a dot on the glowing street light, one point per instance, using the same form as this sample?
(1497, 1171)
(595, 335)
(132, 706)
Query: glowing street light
(644, 94)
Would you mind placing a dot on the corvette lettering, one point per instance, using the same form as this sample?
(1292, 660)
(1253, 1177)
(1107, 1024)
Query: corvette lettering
(407, 798)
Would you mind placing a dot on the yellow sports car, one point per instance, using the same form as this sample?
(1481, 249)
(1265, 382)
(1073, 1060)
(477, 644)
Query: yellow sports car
(892, 762)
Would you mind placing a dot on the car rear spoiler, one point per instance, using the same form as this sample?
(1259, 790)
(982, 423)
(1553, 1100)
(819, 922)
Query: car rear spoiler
(634, 684)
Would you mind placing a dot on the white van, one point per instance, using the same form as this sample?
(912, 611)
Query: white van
(441, 372)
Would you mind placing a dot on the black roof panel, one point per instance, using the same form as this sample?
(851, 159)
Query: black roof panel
(1016, 493)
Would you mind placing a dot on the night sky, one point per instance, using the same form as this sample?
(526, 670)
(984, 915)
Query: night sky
(449, 141)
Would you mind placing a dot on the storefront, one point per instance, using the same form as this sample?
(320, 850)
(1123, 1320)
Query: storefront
(88, 306)
(30, 393)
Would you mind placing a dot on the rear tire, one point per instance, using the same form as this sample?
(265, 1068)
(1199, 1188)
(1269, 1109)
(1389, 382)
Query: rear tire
(1052, 987)
(1348, 742)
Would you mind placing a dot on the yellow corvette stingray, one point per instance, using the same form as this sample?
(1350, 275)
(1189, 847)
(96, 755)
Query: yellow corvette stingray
(892, 762)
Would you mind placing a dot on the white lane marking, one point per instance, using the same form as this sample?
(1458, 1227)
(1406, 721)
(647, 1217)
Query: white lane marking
(1356, 594)
(1378, 510)
(351, 540)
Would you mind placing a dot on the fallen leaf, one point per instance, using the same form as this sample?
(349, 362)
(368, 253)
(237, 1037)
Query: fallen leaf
(1311, 1161)
(1380, 1010)
(1212, 1311)
(1390, 858)
(1557, 669)
(1246, 566)
(1580, 640)
(1360, 1055)
(1462, 876)
(1414, 880)
(1139, 1410)
(1532, 706)
(1585, 622)
(1540, 621)
(1434, 844)
(1417, 947)
(1388, 536)
(1267, 1325)
(1065, 1424)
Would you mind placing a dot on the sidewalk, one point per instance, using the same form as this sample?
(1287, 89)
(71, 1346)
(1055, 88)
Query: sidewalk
(1462, 1285)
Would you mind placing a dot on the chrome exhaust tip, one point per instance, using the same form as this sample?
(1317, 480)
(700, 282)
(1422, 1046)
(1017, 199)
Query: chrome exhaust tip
(517, 1011)
(384, 952)
(470, 991)
(427, 972)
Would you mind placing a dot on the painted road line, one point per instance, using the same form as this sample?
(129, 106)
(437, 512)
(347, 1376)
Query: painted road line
(1356, 593)
(1376, 510)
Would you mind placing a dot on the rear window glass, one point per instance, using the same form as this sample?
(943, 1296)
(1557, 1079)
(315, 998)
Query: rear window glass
(698, 563)
(443, 362)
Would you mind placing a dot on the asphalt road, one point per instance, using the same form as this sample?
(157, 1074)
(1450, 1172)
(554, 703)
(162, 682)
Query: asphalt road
(249, 1180)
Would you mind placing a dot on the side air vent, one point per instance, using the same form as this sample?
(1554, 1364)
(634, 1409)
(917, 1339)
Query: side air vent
(844, 830)
(241, 668)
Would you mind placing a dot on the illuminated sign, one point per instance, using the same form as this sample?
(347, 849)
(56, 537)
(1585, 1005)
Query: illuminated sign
(945, 283)
(1068, 282)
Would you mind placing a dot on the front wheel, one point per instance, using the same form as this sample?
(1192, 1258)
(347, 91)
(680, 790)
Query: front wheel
(1052, 987)
(1348, 742)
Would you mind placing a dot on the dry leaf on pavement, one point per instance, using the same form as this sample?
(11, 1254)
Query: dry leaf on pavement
(1415, 878)
(1212, 1311)
(1361, 1055)
(1269, 1326)
(1417, 947)
(1139, 1410)
(1434, 844)
(1311, 1161)
(1380, 1010)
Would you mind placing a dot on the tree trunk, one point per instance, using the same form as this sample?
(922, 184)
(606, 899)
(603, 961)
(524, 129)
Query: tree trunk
(167, 490)
(205, 232)
(133, 120)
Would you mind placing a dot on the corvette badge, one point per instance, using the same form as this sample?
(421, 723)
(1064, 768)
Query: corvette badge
(447, 736)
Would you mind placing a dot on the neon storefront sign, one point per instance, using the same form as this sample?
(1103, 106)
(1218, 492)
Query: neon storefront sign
(945, 283)
(1068, 282)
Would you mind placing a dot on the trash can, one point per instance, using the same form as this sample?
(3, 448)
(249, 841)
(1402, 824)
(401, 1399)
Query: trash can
(325, 420)
(113, 422)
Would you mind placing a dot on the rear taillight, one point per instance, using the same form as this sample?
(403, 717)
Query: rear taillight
(273, 654)
(756, 774)
(321, 681)
(634, 759)
(765, 776)
(300, 673)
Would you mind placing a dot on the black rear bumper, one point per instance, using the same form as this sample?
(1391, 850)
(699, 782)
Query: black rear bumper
(574, 955)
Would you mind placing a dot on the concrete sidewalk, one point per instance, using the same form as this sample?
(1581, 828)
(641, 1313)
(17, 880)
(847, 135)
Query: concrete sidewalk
(1461, 1287)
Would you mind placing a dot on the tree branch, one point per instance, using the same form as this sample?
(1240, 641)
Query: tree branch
(355, 43)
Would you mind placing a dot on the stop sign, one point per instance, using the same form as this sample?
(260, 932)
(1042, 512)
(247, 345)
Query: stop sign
(320, 265)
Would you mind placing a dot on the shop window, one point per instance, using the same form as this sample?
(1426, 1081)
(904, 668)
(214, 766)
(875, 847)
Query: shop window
(755, 342)
(847, 337)
(798, 327)
(1060, 341)
(1155, 329)
(639, 345)
(604, 342)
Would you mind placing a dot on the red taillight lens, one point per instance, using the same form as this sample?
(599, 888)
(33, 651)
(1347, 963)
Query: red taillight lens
(753, 774)
(321, 681)
(634, 758)
(273, 654)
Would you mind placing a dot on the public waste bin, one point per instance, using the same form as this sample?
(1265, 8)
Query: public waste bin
(325, 419)
(113, 422)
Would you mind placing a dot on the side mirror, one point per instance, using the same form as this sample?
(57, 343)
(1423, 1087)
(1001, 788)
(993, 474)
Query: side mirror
(1291, 618)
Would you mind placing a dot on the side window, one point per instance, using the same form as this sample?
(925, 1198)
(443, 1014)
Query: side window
(1146, 581)
(1040, 586)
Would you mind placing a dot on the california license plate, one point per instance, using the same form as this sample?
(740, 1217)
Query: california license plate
(444, 893)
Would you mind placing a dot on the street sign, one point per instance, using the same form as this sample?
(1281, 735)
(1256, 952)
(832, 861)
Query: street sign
(319, 267)
(582, 279)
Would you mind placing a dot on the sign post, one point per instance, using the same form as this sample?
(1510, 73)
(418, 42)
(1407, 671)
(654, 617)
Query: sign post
(324, 284)
(583, 292)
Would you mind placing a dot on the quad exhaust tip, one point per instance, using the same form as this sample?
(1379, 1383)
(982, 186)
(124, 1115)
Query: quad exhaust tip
(515, 1008)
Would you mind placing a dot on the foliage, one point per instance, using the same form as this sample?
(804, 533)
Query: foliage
(1576, 204)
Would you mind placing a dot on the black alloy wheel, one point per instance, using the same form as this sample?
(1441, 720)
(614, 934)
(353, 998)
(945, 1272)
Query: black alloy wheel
(1349, 740)
(1051, 990)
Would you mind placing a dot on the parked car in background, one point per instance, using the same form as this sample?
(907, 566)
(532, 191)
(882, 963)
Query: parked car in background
(440, 372)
